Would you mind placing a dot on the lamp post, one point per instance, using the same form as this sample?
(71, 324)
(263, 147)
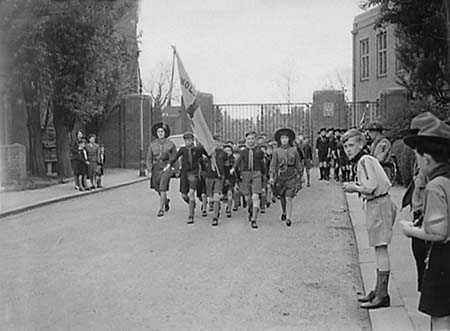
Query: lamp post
(142, 164)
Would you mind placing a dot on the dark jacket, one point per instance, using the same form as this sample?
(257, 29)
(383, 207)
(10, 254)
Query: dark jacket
(258, 160)
(197, 153)
(220, 162)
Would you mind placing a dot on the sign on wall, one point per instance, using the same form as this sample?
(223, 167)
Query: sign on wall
(328, 109)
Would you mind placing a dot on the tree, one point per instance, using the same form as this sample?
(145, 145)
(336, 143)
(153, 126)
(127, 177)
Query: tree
(89, 79)
(22, 22)
(160, 89)
(422, 29)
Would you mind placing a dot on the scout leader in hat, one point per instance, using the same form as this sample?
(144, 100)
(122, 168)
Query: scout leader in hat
(285, 171)
(381, 146)
(160, 152)
(432, 148)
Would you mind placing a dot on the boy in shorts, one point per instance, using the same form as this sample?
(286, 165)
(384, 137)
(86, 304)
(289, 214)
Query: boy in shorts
(432, 149)
(190, 171)
(214, 178)
(252, 167)
(373, 186)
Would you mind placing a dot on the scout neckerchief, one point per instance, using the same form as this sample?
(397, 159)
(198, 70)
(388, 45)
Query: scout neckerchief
(250, 157)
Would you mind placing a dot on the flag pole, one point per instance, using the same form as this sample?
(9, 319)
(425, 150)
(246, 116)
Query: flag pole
(169, 96)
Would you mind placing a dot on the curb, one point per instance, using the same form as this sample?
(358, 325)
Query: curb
(395, 317)
(67, 197)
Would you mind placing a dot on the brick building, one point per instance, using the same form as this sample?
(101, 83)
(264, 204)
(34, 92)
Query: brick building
(375, 70)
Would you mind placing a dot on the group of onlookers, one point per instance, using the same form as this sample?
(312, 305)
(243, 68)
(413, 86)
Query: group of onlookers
(87, 161)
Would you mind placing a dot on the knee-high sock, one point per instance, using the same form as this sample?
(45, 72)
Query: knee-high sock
(283, 204)
(216, 207)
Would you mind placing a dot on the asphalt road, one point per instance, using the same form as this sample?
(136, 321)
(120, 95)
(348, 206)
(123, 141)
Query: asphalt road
(106, 262)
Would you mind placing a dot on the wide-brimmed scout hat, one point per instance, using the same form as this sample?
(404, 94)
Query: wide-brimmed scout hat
(284, 132)
(432, 129)
(162, 125)
(375, 126)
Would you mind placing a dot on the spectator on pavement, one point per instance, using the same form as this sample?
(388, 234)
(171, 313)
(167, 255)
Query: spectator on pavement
(432, 149)
(380, 147)
(92, 150)
(373, 186)
(74, 159)
(101, 165)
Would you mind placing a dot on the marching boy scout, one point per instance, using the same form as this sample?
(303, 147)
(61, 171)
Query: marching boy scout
(252, 167)
(214, 177)
(373, 185)
(432, 149)
(190, 171)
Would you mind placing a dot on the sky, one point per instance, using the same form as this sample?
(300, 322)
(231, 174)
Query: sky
(246, 51)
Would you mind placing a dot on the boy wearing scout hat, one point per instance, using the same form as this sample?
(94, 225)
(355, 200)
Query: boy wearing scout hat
(322, 151)
(432, 149)
(373, 186)
(190, 170)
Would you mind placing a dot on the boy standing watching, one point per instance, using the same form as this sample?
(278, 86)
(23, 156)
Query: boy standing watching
(432, 149)
(373, 186)
(252, 167)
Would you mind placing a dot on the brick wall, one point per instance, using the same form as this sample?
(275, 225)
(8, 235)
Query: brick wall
(120, 133)
(12, 163)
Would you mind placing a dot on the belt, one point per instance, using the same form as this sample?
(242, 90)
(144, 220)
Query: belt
(379, 196)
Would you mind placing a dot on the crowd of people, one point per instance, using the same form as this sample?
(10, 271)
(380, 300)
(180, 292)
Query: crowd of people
(87, 159)
(254, 172)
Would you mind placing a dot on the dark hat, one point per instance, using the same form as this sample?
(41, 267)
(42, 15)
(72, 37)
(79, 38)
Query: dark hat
(162, 125)
(229, 142)
(323, 129)
(250, 133)
(330, 129)
(431, 129)
(188, 135)
(228, 146)
(217, 136)
(285, 132)
(263, 135)
(375, 126)
(92, 135)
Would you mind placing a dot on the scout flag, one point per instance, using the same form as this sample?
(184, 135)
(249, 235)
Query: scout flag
(189, 94)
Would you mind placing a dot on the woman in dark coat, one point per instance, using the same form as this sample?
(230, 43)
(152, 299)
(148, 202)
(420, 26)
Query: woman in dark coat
(160, 152)
(285, 172)
(76, 164)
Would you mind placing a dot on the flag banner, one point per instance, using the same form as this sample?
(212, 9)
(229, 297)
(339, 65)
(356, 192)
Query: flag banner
(189, 94)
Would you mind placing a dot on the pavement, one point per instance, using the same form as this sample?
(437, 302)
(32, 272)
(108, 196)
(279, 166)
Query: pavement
(403, 314)
(12, 203)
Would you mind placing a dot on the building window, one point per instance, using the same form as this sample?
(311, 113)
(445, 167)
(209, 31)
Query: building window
(398, 65)
(364, 53)
(381, 54)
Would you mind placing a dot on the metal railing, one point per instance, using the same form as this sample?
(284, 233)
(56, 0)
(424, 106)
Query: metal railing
(232, 121)
(360, 114)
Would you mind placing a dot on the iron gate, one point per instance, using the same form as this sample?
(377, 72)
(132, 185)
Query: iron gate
(232, 121)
